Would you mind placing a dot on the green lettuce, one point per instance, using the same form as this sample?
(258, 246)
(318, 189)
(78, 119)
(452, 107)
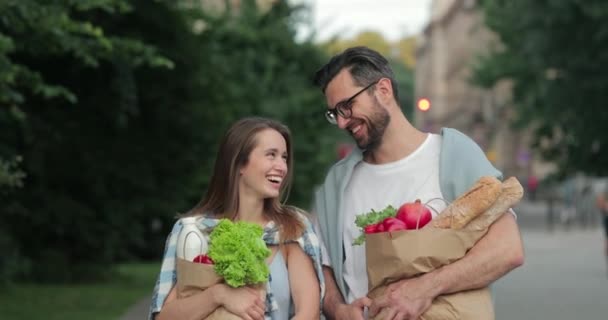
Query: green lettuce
(239, 253)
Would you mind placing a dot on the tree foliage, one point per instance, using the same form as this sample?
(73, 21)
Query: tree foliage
(555, 52)
(110, 116)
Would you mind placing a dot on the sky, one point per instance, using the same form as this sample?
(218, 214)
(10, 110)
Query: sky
(393, 18)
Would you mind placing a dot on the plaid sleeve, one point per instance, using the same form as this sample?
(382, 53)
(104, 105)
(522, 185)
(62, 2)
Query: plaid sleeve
(311, 246)
(167, 276)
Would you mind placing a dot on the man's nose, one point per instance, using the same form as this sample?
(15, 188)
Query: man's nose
(342, 122)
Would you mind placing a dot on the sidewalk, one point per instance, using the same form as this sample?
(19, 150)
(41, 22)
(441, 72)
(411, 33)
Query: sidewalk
(139, 311)
(539, 216)
(564, 277)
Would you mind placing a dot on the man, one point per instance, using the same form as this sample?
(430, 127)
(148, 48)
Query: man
(395, 163)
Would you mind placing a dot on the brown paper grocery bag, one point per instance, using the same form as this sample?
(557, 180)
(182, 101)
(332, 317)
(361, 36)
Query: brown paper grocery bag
(393, 256)
(193, 278)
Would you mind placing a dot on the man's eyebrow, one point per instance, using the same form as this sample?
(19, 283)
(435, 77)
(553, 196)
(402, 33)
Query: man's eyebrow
(338, 103)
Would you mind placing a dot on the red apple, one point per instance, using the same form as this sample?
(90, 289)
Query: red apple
(415, 214)
(202, 258)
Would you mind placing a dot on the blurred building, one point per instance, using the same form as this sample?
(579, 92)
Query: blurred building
(447, 48)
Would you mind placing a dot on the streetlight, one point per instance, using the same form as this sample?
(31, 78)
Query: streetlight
(423, 104)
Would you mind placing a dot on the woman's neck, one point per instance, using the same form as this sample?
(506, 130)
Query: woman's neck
(251, 209)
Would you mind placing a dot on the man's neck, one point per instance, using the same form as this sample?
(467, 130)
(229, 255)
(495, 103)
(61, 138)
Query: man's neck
(399, 141)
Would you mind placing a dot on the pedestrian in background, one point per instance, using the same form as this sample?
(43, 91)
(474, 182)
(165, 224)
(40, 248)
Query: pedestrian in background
(602, 204)
(532, 186)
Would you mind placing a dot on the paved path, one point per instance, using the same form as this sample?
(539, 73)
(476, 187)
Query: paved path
(139, 311)
(564, 277)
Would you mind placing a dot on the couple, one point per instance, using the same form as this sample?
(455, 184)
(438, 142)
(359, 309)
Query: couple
(317, 269)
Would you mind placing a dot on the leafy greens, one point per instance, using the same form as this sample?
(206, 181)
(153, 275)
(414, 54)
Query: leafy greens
(372, 217)
(239, 253)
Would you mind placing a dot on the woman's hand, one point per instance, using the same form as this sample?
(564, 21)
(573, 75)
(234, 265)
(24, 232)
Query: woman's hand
(245, 302)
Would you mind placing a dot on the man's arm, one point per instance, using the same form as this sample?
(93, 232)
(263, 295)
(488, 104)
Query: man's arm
(333, 297)
(493, 256)
(333, 302)
(334, 306)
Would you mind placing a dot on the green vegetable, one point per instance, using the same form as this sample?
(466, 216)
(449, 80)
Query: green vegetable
(239, 253)
(370, 218)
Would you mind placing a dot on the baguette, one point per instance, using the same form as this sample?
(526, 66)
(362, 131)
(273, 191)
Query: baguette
(510, 195)
(469, 205)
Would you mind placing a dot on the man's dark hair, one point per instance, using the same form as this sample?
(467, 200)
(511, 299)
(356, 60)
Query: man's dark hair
(364, 64)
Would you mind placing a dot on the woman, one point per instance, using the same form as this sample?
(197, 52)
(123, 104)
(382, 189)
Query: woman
(251, 174)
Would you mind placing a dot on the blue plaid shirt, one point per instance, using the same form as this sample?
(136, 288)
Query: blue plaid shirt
(308, 241)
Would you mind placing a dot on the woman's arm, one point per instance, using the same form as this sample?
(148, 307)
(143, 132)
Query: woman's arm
(304, 284)
(244, 302)
(194, 307)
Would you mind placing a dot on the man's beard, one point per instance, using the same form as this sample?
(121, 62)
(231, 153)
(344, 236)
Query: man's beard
(376, 125)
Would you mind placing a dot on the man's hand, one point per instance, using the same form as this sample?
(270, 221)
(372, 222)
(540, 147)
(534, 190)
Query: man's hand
(354, 310)
(405, 299)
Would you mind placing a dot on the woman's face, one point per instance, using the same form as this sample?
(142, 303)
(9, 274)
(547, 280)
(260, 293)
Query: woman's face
(263, 175)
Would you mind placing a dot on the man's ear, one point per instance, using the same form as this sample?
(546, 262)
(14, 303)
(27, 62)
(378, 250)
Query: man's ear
(385, 89)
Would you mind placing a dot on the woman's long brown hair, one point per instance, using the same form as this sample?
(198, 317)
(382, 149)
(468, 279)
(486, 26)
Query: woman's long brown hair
(222, 197)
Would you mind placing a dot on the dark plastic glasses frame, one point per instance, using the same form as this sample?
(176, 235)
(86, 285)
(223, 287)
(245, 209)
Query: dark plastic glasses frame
(344, 107)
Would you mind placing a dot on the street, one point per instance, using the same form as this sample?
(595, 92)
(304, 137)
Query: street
(564, 275)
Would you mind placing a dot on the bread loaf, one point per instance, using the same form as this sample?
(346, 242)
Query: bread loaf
(510, 195)
(469, 205)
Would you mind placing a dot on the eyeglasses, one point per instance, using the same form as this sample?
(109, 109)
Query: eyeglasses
(344, 108)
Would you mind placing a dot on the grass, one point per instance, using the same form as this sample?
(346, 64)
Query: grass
(97, 301)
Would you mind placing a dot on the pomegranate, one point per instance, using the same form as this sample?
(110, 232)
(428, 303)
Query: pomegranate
(415, 215)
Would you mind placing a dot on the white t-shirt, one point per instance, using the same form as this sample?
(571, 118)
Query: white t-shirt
(377, 186)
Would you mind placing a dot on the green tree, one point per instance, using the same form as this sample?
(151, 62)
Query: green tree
(555, 52)
(117, 129)
(85, 106)
(254, 67)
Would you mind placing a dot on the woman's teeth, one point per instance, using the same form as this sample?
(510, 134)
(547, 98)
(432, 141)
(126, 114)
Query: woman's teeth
(275, 179)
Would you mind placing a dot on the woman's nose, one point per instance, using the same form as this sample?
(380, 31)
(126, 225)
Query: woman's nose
(281, 165)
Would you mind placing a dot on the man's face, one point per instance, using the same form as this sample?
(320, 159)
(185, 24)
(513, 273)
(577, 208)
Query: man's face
(368, 120)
